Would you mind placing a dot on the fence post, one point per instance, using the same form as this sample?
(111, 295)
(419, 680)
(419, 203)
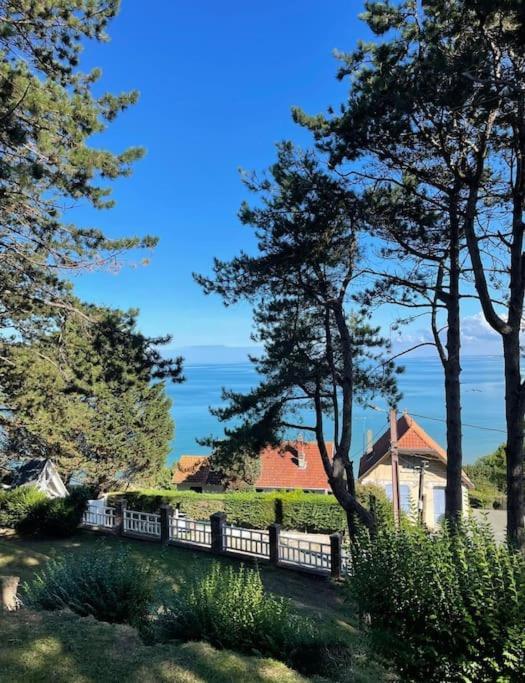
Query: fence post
(218, 522)
(274, 531)
(335, 555)
(166, 511)
(120, 509)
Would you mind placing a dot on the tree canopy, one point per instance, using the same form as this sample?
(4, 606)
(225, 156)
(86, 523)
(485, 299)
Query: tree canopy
(319, 351)
(48, 113)
(92, 396)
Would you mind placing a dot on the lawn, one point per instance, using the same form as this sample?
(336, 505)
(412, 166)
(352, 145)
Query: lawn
(23, 557)
(63, 648)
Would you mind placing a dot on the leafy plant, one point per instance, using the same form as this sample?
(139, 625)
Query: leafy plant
(443, 606)
(229, 608)
(16, 505)
(110, 585)
(59, 517)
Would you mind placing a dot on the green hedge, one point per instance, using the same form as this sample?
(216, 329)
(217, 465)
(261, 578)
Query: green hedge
(30, 511)
(311, 512)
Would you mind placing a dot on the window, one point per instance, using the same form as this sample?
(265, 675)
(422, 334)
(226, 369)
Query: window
(439, 503)
(404, 496)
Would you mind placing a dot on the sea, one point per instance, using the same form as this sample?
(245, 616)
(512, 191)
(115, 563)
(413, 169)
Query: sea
(421, 384)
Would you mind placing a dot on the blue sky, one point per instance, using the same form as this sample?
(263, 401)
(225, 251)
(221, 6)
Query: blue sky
(217, 81)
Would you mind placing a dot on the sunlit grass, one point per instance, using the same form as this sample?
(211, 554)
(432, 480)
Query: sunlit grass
(315, 596)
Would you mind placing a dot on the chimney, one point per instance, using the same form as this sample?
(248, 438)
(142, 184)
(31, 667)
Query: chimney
(301, 457)
(369, 443)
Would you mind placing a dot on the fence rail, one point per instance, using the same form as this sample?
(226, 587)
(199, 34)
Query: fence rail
(305, 553)
(143, 523)
(190, 531)
(345, 562)
(219, 537)
(95, 515)
(250, 541)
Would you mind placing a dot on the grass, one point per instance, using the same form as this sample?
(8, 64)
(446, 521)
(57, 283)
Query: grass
(315, 596)
(65, 648)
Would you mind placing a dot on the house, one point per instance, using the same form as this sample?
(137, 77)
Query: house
(294, 465)
(405, 450)
(43, 474)
(193, 473)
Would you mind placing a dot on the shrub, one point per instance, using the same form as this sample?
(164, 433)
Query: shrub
(311, 512)
(248, 509)
(230, 609)
(107, 583)
(15, 505)
(443, 606)
(58, 517)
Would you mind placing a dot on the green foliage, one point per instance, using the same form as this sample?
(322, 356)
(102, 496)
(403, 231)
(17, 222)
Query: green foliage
(58, 517)
(17, 504)
(312, 512)
(489, 475)
(229, 608)
(320, 350)
(443, 606)
(91, 396)
(49, 114)
(109, 584)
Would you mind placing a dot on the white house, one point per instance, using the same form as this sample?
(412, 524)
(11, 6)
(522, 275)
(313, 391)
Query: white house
(43, 474)
(406, 452)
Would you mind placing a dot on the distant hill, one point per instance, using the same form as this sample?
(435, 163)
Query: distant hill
(214, 354)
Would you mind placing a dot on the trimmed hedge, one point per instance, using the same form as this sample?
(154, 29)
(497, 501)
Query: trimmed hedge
(310, 512)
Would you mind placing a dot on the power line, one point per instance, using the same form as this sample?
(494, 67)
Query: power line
(463, 424)
(440, 419)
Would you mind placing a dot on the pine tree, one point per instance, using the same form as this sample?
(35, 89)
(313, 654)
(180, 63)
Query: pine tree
(436, 104)
(48, 113)
(318, 352)
(92, 396)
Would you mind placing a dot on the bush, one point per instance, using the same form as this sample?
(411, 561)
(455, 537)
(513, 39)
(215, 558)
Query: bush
(110, 585)
(57, 517)
(310, 512)
(16, 504)
(229, 608)
(443, 606)
(486, 496)
(248, 509)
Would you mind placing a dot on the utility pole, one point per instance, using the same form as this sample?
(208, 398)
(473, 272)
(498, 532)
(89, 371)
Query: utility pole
(394, 456)
(421, 493)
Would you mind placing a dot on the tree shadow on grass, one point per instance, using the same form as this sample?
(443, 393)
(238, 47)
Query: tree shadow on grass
(64, 648)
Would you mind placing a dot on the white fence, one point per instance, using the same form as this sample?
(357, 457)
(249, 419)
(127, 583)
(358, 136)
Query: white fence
(250, 541)
(345, 562)
(143, 523)
(190, 531)
(96, 515)
(289, 550)
(304, 553)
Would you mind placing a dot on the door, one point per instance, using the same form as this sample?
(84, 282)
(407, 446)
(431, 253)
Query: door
(439, 504)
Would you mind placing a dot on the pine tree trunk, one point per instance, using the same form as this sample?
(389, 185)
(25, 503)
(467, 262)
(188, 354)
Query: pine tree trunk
(515, 423)
(452, 368)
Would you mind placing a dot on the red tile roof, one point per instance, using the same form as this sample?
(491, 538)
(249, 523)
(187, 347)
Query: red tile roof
(412, 439)
(280, 468)
(194, 470)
